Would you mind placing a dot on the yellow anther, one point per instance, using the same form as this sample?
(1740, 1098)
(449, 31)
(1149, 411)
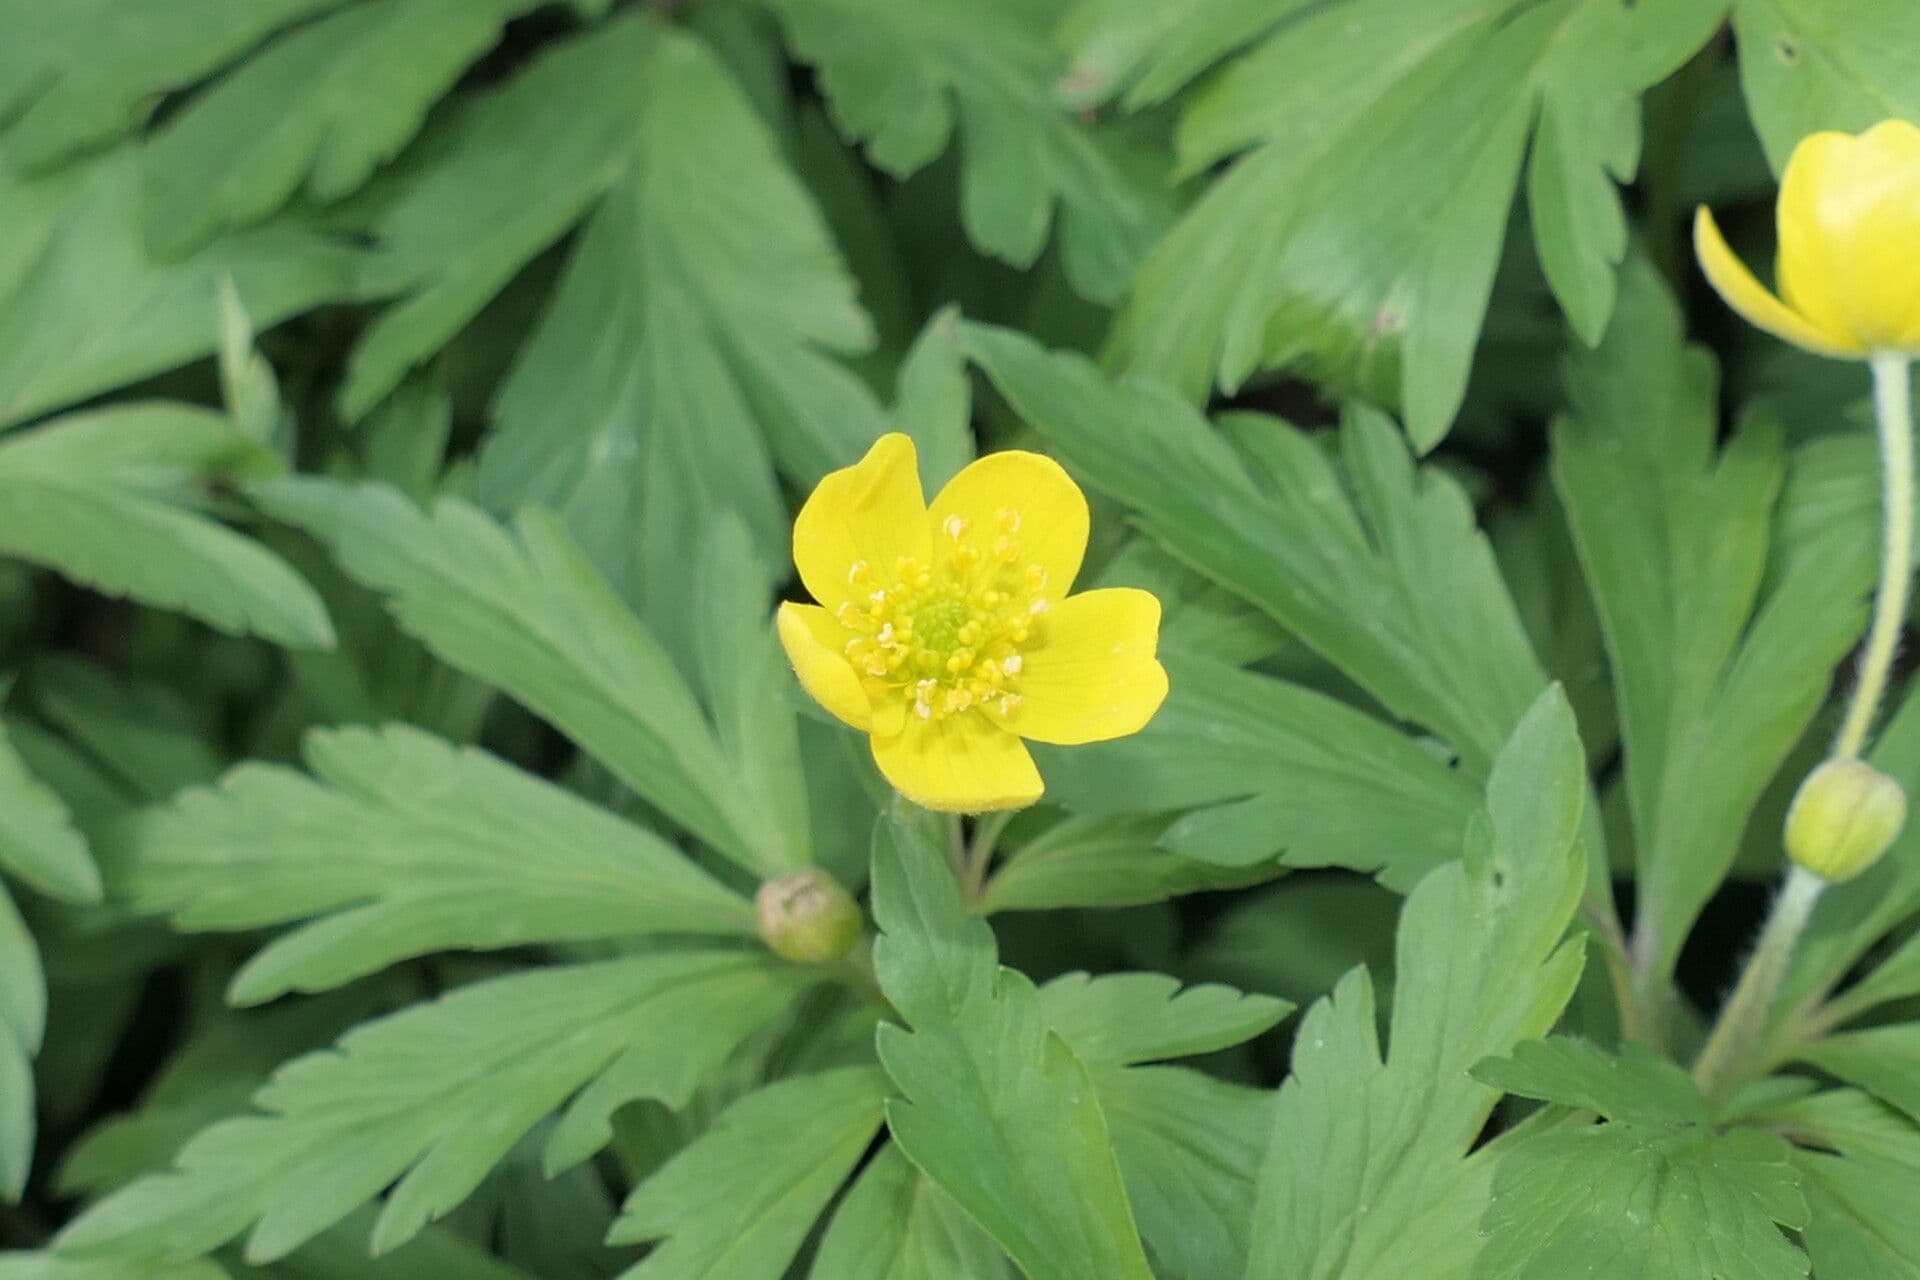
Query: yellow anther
(1036, 577)
(1038, 607)
(858, 574)
(955, 527)
(1009, 703)
(1012, 664)
(1006, 549)
(1008, 519)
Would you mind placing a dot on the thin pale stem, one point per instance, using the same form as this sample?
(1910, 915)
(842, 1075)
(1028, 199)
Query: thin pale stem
(1893, 412)
(1726, 1057)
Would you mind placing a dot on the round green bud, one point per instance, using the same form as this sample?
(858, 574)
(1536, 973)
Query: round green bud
(1842, 819)
(806, 917)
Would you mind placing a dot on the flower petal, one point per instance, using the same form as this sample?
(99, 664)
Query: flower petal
(1849, 218)
(872, 511)
(959, 764)
(1048, 510)
(1746, 295)
(813, 639)
(1093, 676)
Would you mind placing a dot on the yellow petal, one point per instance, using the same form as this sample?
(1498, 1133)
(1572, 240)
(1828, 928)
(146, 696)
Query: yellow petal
(1025, 496)
(1093, 674)
(960, 764)
(872, 511)
(813, 643)
(1746, 295)
(1849, 223)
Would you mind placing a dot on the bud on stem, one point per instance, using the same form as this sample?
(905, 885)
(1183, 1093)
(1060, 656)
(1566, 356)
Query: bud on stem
(1845, 815)
(806, 917)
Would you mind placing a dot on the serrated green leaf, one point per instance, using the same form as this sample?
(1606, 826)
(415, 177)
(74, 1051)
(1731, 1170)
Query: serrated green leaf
(431, 1096)
(106, 497)
(402, 845)
(525, 612)
(1358, 234)
(781, 1153)
(85, 307)
(1618, 1202)
(38, 842)
(1396, 586)
(1716, 680)
(1808, 65)
(316, 111)
(78, 75)
(1105, 862)
(1635, 1085)
(1364, 1176)
(1127, 1018)
(1189, 1147)
(1268, 769)
(996, 1108)
(23, 992)
(900, 79)
(896, 1224)
(498, 178)
(710, 304)
(1152, 48)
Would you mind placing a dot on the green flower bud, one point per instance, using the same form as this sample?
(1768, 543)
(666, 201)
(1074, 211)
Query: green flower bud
(1844, 816)
(807, 918)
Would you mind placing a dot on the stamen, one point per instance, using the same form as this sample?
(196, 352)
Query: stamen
(1008, 519)
(1012, 664)
(956, 527)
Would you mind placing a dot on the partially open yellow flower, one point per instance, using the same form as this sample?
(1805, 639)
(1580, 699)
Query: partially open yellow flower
(1849, 259)
(947, 633)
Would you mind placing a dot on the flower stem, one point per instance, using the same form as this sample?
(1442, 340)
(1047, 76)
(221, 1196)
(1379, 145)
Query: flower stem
(1893, 412)
(1724, 1060)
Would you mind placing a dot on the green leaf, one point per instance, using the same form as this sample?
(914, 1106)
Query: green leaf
(1885, 1061)
(85, 307)
(1636, 1085)
(106, 497)
(781, 1153)
(140, 733)
(316, 112)
(996, 1108)
(1189, 1147)
(498, 177)
(1378, 145)
(1128, 1018)
(896, 1224)
(78, 75)
(1396, 587)
(432, 1096)
(1104, 862)
(710, 304)
(1268, 769)
(23, 1014)
(402, 845)
(1808, 65)
(1152, 48)
(899, 79)
(38, 842)
(1364, 1174)
(1716, 680)
(47, 1266)
(1860, 1215)
(1619, 1202)
(934, 404)
(524, 611)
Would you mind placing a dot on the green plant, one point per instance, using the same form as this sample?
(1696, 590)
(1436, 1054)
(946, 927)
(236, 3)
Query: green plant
(418, 858)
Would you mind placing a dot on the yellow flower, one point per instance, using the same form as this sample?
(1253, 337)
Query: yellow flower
(1849, 259)
(947, 634)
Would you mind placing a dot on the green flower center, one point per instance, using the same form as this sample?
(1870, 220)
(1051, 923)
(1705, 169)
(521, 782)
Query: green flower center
(948, 636)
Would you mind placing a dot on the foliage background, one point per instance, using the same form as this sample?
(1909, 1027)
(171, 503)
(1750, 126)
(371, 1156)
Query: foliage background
(385, 378)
